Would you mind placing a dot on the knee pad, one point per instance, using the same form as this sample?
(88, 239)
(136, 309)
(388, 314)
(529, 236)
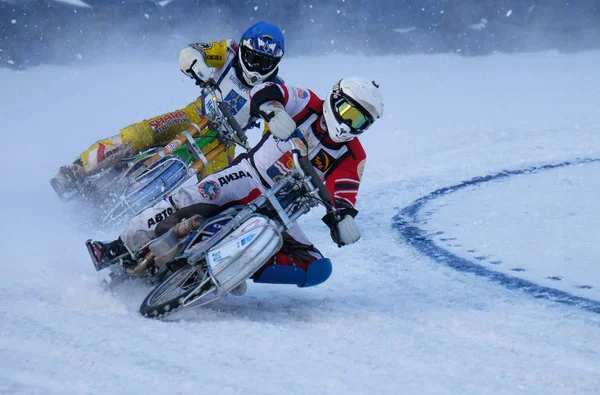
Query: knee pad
(318, 272)
(281, 274)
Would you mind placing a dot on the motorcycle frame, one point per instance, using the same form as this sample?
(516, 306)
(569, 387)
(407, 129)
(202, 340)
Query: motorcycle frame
(297, 178)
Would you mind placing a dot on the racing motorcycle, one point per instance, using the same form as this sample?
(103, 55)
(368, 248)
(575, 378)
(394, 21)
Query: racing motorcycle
(200, 260)
(120, 192)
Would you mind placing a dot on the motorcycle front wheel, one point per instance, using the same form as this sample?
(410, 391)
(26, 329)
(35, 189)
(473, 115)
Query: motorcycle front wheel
(171, 295)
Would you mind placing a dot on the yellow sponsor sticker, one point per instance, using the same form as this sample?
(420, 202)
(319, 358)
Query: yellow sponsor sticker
(361, 169)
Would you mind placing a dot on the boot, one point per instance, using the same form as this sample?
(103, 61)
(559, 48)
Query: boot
(107, 253)
(68, 179)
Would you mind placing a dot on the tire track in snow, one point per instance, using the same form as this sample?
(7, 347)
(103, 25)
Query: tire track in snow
(405, 223)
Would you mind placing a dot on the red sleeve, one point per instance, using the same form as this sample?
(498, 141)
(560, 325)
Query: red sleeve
(344, 180)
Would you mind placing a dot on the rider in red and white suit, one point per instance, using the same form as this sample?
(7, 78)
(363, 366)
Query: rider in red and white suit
(330, 127)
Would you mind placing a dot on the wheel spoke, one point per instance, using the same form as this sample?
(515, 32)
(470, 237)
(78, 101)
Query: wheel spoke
(176, 285)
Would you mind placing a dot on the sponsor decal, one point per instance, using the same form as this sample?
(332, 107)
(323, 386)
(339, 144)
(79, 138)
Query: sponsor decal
(301, 93)
(337, 93)
(246, 239)
(162, 123)
(322, 161)
(281, 167)
(172, 146)
(114, 149)
(209, 190)
(238, 175)
(310, 139)
(205, 45)
(104, 151)
(238, 83)
(152, 221)
(214, 57)
(361, 168)
(234, 101)
(216, 256)
(209, 107)
(267, 47)
(100, 156)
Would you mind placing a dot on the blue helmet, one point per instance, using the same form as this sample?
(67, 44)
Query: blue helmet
(261, 50)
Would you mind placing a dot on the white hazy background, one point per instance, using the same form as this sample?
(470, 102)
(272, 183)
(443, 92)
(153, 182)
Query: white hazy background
(389, 320)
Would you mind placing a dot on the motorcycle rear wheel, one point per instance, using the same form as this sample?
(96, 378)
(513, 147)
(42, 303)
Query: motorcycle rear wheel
(170, 295)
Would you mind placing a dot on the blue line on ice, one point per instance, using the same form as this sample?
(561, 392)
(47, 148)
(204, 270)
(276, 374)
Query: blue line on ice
(405, 221)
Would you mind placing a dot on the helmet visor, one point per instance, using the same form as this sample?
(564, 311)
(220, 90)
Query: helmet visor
(257, 61)
(351, 114)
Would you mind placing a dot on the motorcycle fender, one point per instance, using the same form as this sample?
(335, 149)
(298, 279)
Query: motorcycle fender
(148, 188)
(243, 252)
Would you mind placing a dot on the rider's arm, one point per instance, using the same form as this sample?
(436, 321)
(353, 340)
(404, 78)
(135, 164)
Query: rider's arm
(343, 182)
(197, 59)
(266, 98)
(284, 108)
(298, 103)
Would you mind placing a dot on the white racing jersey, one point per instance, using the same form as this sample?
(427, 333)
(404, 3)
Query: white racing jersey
(223, 56)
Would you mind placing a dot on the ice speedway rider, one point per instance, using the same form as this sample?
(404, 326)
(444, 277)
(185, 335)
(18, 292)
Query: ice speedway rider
(235, 69)
(330, 128)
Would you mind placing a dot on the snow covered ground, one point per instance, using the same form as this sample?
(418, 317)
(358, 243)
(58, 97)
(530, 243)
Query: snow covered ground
(391, 319)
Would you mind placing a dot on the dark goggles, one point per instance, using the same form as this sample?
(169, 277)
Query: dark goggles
(351, 113)
(259, 62)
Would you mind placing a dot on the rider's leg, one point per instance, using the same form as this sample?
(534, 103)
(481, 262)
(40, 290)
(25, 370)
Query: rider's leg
(160, 130)
(298, 262)
(105, 153)
(104, 254)
(134, 139)
(138, 137)
(237, 184)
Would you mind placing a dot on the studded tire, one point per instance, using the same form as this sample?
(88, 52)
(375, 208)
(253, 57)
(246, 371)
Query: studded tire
(168, 296)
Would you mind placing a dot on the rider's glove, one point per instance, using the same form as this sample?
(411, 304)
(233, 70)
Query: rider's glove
(192, 63)
(345, 230)
(281, 125)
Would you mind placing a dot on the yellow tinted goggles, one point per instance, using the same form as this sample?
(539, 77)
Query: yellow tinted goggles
(351, 116)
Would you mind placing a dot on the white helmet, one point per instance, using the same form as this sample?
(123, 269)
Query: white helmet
(352, 106)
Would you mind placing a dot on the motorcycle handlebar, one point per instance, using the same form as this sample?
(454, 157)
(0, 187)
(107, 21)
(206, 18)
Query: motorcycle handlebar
(210, 87)
(209, 84)
(308, 168)
(233, 122)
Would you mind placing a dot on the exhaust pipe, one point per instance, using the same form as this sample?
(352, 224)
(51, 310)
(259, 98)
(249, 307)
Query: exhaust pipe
(166, 246)
(186, 227)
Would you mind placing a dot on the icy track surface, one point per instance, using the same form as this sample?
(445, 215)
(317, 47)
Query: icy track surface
(390, 320)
